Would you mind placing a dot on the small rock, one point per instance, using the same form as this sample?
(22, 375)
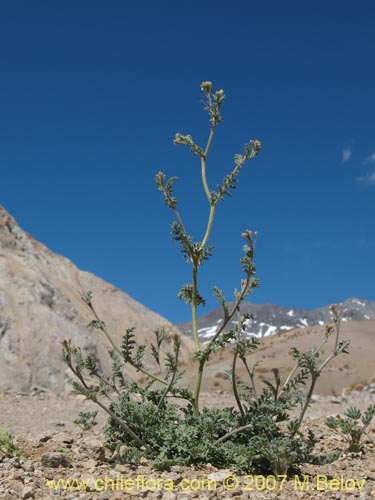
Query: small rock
(177, 468)
(89, 464)
(336, 401)
(56, 459)
(17, 475)
(104, 495)
(120, 468)
(89, 481)
(58, 423)
(28, 466)
(27, 492)
(64, 437)
(15, 462)
(155, 495)
(169, 495)
(96, 448)
(44, 438)
(220, 475)
(315, 398)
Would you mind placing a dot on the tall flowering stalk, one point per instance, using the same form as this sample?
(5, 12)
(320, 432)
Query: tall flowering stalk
(196, 252)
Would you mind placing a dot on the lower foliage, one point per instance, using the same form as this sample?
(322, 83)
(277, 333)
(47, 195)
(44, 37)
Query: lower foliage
(175, 436)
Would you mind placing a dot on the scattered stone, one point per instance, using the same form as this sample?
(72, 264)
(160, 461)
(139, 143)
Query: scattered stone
(56, 459)
(27, 492)
(89, 481)
(336, 401)
(120, 468)
(220, 475)
(64, 437)
(15, 462)
(89, 464)
(169, 495)
(44, 438)
(58, 423)
(28, 466)
(94, 446)
(16, 475)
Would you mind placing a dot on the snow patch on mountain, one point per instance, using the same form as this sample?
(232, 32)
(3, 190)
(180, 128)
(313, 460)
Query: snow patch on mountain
(270, 319)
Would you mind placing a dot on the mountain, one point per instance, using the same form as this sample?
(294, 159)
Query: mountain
(270, 319)
(40, 305)
(345, 372)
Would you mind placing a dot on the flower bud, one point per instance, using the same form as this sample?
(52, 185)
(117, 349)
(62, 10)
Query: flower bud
(220, 93)
(206, 87)
(177, 139)
(256, 146)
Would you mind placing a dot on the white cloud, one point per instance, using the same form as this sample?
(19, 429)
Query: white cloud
(369, 179)
(371, 176)
(346, 154)
(370, 159)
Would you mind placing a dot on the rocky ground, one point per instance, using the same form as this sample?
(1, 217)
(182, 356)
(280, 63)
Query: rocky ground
(54, 448)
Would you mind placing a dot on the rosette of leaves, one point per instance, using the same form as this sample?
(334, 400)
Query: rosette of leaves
(353, 426)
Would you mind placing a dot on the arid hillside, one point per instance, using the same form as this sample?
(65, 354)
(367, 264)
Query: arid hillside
(351, 370)
(40, 305)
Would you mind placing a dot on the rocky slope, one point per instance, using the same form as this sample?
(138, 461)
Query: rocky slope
(40, 305)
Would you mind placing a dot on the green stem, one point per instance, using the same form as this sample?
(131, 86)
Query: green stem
(109, 338)
(234, 386)
(104, 330)
(194, 308)
(306, 405)
(209, 142)
(171, 383)
(232, 312)
(204, 179)
(232, 433)
(209, 224)
(251, 376)
(197, 389)
(203, 163)
(151, 375)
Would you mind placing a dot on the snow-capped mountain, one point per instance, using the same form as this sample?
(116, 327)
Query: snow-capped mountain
(270, 319)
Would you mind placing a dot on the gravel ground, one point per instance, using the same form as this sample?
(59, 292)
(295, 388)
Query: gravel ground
(54, 449)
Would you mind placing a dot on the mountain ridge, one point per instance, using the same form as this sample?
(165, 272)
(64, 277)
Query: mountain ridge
(270, 319)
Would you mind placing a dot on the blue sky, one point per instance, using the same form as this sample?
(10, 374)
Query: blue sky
(92, 93)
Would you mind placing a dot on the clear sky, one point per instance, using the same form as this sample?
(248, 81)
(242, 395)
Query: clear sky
(92, 93)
